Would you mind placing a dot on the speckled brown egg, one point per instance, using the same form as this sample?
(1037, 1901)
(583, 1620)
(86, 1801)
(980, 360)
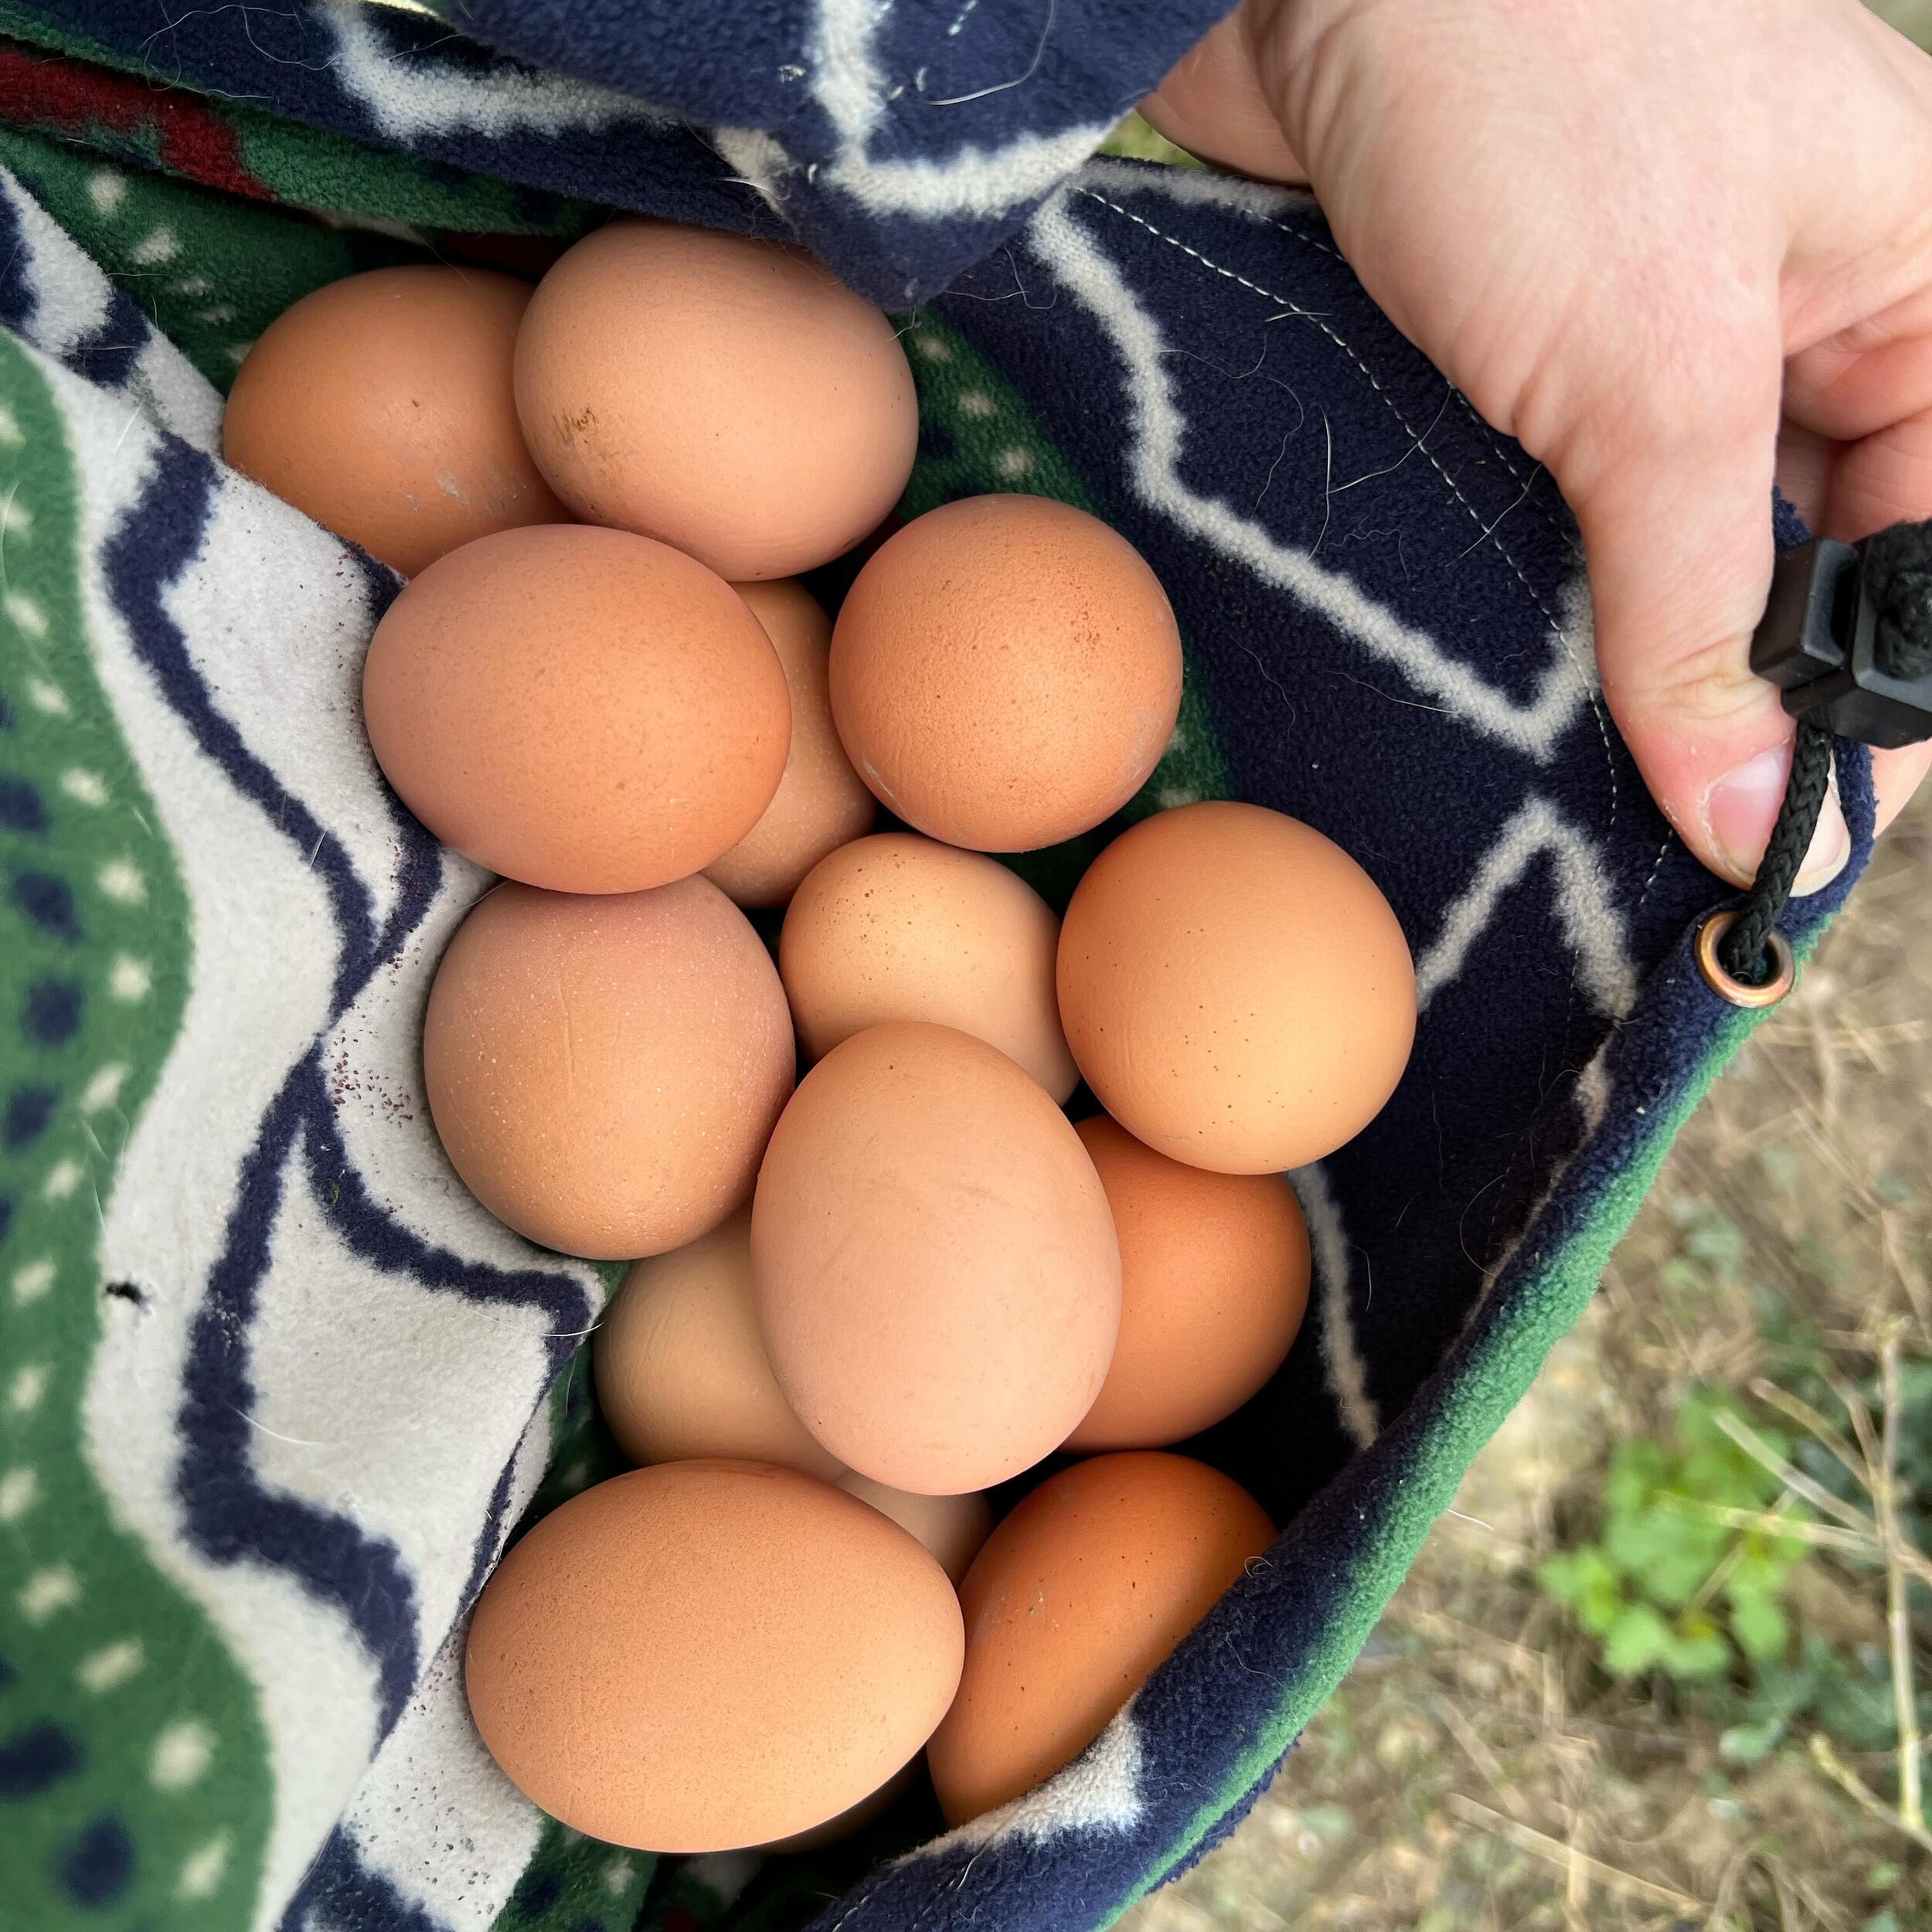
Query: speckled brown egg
(581, 709)
(1005, 672)
(821, 801)
(1235, 988)
(680, 1367)
(381, 406)
(896, 927)
(938, 1282)
(729, 396)
(604, 1071)
(705, 1655)
(1214, 1283)
(1078, 1596)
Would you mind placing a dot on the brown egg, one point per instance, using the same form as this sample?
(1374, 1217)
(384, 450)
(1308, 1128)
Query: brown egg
(581, 709)
(821, 801)
(896, 927)
(1084, 1589)
(952, 1528)
(727, 394)
(381, 406)
(938, 1283)
(1214, 1282)
(605, 1071)
(1236, 990)
(706, 1656)
(1005, 672)
(680, 1366)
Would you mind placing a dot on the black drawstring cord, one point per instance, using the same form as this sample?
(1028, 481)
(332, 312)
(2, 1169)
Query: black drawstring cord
(1848, 633)
(1743, 951)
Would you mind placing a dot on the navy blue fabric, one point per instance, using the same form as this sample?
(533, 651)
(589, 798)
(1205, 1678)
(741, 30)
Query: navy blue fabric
(37, 1758)
(901, 142)
(97, 1864)
(339, 1894)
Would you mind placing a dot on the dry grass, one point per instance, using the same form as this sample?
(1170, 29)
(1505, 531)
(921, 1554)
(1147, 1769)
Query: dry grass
(1475, 1772)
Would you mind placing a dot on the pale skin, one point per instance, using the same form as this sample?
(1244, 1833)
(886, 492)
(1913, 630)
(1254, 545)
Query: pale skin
(1676, 248)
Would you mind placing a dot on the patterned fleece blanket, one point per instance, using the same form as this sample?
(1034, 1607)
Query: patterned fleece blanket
(273, 1391)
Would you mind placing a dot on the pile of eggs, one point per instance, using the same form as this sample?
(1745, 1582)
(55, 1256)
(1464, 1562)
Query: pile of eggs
(869, 1294)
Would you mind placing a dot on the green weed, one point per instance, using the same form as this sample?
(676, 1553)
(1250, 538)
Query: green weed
(1675, 1582)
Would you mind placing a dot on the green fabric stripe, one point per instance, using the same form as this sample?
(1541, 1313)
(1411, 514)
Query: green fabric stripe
(211, 271)
(575, 1884)
(162, 1824)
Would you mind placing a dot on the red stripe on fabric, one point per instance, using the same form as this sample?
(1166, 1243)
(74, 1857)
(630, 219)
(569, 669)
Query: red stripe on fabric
(49, 94)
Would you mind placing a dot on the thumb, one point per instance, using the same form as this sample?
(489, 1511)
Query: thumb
(1678, 533)
(1212, 103)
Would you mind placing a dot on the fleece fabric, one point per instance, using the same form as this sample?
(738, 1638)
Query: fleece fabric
(900, 140)
(274, 1393)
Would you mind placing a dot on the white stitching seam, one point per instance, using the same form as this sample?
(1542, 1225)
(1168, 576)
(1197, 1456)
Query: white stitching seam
(1489, 531)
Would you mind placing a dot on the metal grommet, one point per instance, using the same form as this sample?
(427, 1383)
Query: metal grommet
(1740, 992)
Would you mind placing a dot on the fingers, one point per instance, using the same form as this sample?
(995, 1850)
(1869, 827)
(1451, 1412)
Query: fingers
(1864, 380)
(1896, 775)
(1804, 461)
(1211, 104)
(1677, 529)
(1883, 479)
(1848, 491)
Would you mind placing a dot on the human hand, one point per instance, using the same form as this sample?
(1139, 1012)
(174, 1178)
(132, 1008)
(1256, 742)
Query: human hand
(1674, 249)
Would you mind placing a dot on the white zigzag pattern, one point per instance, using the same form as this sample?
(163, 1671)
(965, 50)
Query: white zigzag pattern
(413, 97)
(163, 1223)
(1099, 1791)
(1158, 432)
(72, 298)
(316, 1426)
(1341, 1358)
(1591, 921)
(983, 182)
(1267, 204)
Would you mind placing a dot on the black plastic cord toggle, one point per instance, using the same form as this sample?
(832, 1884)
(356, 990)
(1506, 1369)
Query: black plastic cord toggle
(1847, 634)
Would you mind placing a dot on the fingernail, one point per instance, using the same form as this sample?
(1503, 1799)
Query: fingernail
(1830, 848)
(1741, 807)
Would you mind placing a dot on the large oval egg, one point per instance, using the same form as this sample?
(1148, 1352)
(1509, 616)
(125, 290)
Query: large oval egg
(581, 709)
(821, 802)
(938, 1283)
(706, 1656)
(1005, 672)
(381, 406)
(1079, 1594)
(896, 927)
(1235, 988)
(680, 1367)
(727, 394)
(604, 1071)
(1214, 1283)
